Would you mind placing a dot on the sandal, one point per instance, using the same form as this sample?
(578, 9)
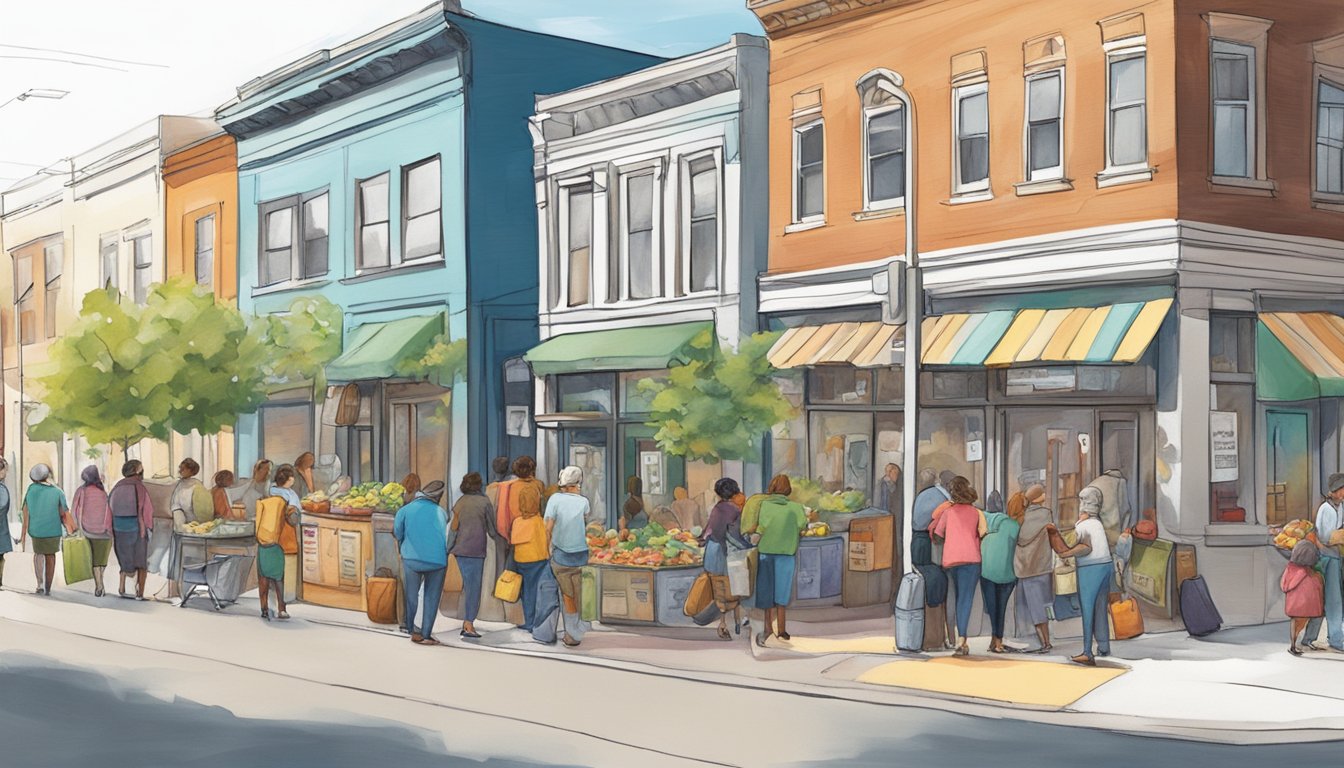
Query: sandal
(282, 615)
(472, 635)
(265, 615)
(760, 639)
(1293, 649)
(723, 634)
(785, 636)
(430, 641)
(962, 651)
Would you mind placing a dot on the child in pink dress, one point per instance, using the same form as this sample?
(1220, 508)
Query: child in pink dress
(1303, 591)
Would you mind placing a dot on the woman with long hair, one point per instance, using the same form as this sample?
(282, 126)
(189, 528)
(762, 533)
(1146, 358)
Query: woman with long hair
(723, 527)
(258, 487)
(960, 528)
(304, 482)
(93, 516)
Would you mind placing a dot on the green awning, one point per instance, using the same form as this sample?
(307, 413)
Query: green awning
(373, 350)
(1299, 356)
(619, 349)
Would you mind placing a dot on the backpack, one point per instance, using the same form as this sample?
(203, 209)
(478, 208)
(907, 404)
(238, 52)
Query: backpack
(270, 520)
(504, 508)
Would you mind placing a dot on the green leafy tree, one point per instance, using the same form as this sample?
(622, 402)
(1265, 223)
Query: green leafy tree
(298, 344)
(442, 362)
(718, 405)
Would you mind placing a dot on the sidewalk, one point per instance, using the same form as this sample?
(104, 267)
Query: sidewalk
(1238, 686)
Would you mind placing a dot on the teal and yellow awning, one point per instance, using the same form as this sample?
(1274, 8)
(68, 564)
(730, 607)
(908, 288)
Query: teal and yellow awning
(1299, 356)
(1115, 333)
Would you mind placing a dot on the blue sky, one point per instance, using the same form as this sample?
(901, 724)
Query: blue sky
(125, 61)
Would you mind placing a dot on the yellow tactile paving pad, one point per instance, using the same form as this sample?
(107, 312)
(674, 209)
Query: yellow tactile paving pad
(820, 645)
(1039, 683)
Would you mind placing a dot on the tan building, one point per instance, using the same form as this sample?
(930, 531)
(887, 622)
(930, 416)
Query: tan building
(1130, 252)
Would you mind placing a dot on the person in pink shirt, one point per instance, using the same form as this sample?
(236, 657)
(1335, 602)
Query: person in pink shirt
(960, 528)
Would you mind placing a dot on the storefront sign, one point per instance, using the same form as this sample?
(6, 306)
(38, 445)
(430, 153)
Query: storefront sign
(1027, 380)
(310, 567)
(1223, 446)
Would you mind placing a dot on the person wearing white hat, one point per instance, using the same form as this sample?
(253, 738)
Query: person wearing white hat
(1329, 519)
(44, 514)
(567, 515)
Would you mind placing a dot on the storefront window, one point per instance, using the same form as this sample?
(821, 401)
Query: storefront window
(953, 439)
(1231, 344)
(286, 431)
(1050, 447)
(1115, 380)
(587, 450)
(840, 385)
(890, 386)
(633, 400)
(887, 491)
(659, 472)
(788, 439)
(842, 451)
(1289, 494)
(585, 393)
(1231, 455)
(956, 385)
(420, 440)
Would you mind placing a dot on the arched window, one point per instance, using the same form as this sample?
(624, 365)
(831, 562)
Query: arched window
(884, 141)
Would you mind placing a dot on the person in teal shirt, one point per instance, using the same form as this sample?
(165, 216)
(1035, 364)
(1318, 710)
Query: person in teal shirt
(997, 578)
(421, 530)
(44, 508)
(780, 525)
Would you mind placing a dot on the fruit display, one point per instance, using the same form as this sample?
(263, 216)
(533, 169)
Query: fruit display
(817, 529)
(220, 527)
(652, 546)
(317, 502)
(202, 528)
(370, 497)
(810, 494)
(1292, 533)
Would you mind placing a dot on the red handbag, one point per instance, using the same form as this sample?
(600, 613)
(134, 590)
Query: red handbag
(1146, 530)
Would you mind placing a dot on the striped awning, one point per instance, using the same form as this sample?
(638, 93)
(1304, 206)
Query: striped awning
(860, 344)
(1300, 355)
(1115, 333)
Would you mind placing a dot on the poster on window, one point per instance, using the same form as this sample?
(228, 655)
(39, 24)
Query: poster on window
(516, 417)
(651, 472)
(1223, 446)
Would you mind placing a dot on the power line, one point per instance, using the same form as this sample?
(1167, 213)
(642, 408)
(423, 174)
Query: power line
(66, 61)
(84, 55)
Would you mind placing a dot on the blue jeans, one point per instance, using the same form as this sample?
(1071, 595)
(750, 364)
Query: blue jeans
(1334, 606)
(472, 568)
(996, 603)
(531, 573)
(432, 581)
(964, 577)
(1094, 583)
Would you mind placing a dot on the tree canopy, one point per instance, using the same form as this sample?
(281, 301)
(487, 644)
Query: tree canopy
(718, 405)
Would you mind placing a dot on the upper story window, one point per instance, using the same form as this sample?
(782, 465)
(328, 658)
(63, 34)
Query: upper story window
(1125, 40)
(701, 189)
(809, 158)
(641, 210)
(373, 245)
(109, 265)
(294, 241)
(23, 296)
(204, 250)
(883, 144)
(142, 254)
(970, 125)
(53, 257)
(1045, 125)
(1328, 91)
(421, 211)
(1237, 53)
(576, 235)
(1329, 137)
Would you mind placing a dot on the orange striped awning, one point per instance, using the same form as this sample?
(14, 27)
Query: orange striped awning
(1116, 333)
(860, 344)
(1300, 355)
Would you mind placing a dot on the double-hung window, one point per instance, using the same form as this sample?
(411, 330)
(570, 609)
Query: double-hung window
(701, 208)
(970, 117)
(373, 245)
(884, 150)
(108, 261)
(142, 254)
(23, 295)
(1045, 125)
(294, 239)
(1329, 137)
(1127, 109)
(809, 199)
(421, 211)
(1233, 72)
(577, 238)
(204, 250)
(641, 208)
(53, 257)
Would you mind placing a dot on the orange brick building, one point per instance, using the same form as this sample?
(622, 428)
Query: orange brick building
(1130, 231)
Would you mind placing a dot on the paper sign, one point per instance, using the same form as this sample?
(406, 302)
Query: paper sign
(975, 450)
(1223, 465)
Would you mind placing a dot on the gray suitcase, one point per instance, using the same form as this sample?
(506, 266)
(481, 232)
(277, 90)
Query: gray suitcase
(909, 610)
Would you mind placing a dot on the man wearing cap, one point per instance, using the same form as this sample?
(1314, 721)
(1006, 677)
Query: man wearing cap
(1328, 521)
(567, 514)
(421, 530)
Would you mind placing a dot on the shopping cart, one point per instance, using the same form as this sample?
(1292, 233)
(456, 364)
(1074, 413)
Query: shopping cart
(223, 576)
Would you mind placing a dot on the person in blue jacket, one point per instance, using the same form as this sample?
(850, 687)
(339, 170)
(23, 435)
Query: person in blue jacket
(421, 530)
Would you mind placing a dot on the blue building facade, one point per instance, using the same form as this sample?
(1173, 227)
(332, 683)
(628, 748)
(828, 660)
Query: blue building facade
(393, 176)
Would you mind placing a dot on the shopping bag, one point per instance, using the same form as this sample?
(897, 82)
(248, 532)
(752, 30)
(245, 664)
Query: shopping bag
(380, 593)
(77, 558)
(739, 573)
(588, 594)
(270, 520)
(509, 586)
(1066, 576)
(1126, 621)
(700, 595)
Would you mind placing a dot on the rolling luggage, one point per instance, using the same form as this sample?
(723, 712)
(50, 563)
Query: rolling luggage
(1126, 621)
(909, 610)
(1197, 608)
(77, 559)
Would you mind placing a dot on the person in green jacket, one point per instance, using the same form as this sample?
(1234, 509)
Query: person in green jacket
(997, 579)
(780, 525)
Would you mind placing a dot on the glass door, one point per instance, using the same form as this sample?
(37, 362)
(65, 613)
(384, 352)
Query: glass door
(587, 449)
(1289, 492)
(659, 473)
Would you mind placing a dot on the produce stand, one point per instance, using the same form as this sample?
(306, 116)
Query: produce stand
(644, 579)
(233, 537)
(336, 542)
